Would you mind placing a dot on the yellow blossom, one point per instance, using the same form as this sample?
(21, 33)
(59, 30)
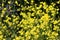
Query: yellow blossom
(0, 32)
(9, 2)
(56, 28)
(4, 27)
(1, 36)
(45, 18)
(17, 38)
(2, 4)
(16, 2)
(27, 33)
(21, 32)
(55, 22)
(5, 9)
(55, 33)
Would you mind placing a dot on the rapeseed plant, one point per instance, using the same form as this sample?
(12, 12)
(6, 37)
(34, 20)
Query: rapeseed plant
(29, 20)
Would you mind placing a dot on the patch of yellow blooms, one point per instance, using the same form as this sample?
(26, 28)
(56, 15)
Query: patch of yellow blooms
(33, 25)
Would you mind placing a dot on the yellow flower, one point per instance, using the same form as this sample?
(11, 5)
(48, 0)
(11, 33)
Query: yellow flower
(53, 4)
(25, 28)
(32, 14)
(4, 27)
(58, 2)
(56, 28)
(17, 38)
(9, 2)
(16, 2)
(13, 39)
(31, 20)
(33, 9)
(45, 18)
(5, 9)
(25, 21)
(55, 22)
(2, 4)
(25, 0)
(38, 12)
(52, 37)
(13, 16)
(14, 20)
(48, 33)
(10, 23)
(27, 34)
(17, 22)
(2, 15)
(4, 39)
(42, 26)
(54, 33)
(0, 32)
(8, 18)
(53, 12)
(1, 36)
(21, 32)
(18, 9)
(43, 33)
(51, 7)
(36, 37)
(41, 2)
(27, 38)
(23, 14)
(45, 5)
(32, 1)
(40, 6)
(47, 10)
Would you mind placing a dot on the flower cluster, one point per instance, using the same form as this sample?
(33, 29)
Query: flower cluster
(29, 20)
